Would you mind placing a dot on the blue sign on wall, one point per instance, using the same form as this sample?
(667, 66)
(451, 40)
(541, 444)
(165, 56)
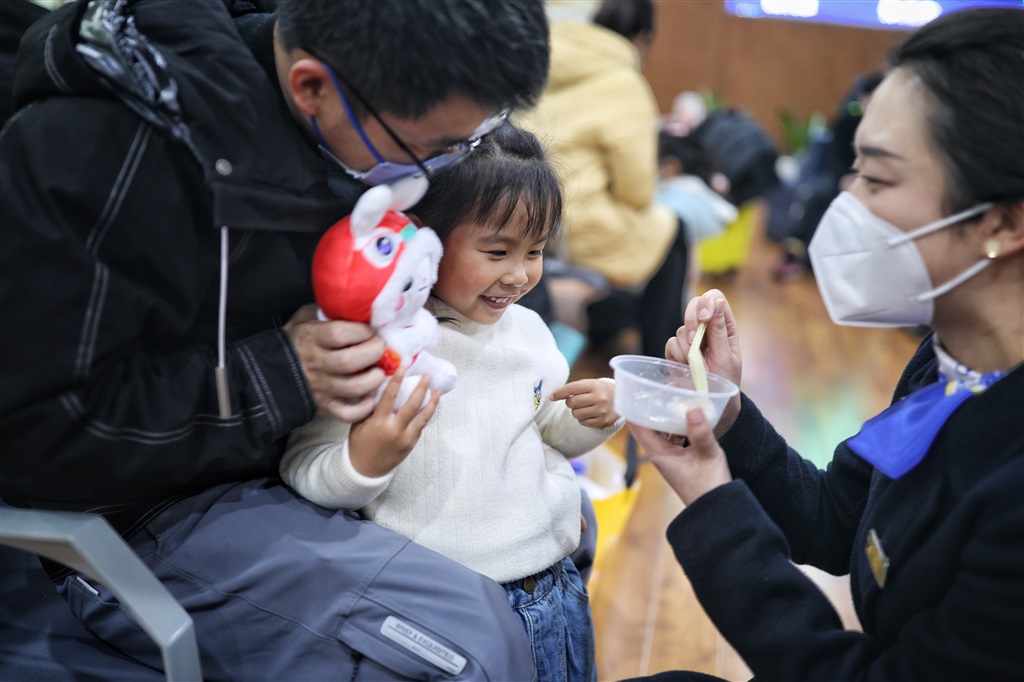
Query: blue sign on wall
(891, 14)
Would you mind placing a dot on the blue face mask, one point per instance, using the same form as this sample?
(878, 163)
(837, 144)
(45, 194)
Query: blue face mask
(388, 172)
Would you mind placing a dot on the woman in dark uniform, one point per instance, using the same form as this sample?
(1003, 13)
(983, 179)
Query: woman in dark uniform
(925, 506)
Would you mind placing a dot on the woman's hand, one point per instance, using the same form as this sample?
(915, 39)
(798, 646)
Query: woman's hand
(692, 469)
(721, 345)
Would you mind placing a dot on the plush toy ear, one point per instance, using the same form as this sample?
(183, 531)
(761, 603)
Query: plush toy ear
(370, 209)
(408, 191)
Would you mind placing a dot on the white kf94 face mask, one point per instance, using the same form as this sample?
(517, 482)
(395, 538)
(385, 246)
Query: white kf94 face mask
(870, 273)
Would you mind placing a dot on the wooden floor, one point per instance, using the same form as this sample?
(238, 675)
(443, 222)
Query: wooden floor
(817, 383)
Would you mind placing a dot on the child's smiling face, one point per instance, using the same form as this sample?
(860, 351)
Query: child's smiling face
(483, 271)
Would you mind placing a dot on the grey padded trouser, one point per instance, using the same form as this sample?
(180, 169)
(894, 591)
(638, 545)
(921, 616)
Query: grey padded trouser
(281, 589)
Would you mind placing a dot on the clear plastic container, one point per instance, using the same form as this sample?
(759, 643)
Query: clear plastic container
(658, 393)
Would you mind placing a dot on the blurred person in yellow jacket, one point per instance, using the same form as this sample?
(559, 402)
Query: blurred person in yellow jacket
(598, 117)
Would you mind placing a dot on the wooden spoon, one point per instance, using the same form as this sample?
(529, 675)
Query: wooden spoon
(696, 360)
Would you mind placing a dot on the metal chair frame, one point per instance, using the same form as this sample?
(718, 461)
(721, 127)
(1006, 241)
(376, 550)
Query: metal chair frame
(88, 544)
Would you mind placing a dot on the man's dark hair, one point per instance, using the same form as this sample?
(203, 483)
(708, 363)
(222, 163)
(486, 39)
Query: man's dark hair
(971, 64)
(628, 18)
(406, 56)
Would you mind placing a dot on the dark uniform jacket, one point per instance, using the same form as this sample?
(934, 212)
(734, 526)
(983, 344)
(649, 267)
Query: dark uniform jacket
(113, 192)
(952, 605)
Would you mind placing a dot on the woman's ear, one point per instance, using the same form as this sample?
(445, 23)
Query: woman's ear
(1004, 233)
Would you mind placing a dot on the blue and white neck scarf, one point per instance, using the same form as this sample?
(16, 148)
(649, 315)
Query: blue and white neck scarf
(896, 440)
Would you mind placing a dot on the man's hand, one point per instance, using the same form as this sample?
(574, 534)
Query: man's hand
(338, 359)
(591, 402)
(381, 442)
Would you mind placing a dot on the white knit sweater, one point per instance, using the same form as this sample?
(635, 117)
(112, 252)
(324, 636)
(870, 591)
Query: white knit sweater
(488, 484)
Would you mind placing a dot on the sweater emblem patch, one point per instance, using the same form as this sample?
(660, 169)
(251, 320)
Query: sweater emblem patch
(537, 394)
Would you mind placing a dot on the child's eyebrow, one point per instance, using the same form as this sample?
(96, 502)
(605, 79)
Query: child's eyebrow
(500, 238)
(495, 238)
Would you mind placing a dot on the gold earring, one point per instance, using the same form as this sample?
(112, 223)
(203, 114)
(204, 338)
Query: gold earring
(992, 248)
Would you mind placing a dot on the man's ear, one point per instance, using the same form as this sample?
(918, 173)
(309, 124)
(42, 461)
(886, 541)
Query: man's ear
(309, 83)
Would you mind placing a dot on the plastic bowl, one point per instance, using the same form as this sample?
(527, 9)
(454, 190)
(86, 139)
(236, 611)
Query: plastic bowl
(658, 393)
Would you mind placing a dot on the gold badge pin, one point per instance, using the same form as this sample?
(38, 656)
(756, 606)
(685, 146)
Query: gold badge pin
(876, 558)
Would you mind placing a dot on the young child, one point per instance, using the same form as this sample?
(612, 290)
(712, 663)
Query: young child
(483, 476)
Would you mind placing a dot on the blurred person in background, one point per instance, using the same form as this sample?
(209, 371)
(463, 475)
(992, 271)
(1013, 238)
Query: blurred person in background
(598, 118)
(686, 181)
(827, 172)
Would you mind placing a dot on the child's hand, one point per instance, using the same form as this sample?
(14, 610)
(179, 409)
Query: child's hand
(383, 440)
(590, 400)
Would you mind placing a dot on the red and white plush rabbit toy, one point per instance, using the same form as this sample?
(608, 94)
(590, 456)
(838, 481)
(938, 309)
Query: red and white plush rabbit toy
(376, 267)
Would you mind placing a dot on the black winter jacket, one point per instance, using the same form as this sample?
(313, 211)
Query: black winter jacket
(110, 249)
(952, 605)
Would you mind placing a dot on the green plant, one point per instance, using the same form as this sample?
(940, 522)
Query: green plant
(797, 130)
(712, 101)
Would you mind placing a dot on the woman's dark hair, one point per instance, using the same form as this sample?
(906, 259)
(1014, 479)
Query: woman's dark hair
(628, 18)
(507, 170)
(972, 64)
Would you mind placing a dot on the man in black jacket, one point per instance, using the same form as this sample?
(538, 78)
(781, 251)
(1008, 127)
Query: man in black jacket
(167, 173)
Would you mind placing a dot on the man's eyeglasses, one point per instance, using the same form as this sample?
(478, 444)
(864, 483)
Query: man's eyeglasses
(387, 171)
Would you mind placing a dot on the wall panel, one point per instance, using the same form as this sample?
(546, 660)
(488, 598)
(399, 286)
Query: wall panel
(761, 65)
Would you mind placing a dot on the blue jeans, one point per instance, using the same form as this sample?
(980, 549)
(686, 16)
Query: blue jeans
(555, 612)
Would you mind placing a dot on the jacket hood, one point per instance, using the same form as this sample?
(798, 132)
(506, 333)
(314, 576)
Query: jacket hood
(263, 173)
(580, 50)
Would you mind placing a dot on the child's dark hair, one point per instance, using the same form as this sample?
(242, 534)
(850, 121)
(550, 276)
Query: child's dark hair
(628, 18)
(688, 152)
(507, 170)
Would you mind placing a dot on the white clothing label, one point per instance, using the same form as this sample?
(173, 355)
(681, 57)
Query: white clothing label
(427, 648)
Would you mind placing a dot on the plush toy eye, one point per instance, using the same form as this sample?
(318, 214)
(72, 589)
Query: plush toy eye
(382, 248)
(408, 285)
